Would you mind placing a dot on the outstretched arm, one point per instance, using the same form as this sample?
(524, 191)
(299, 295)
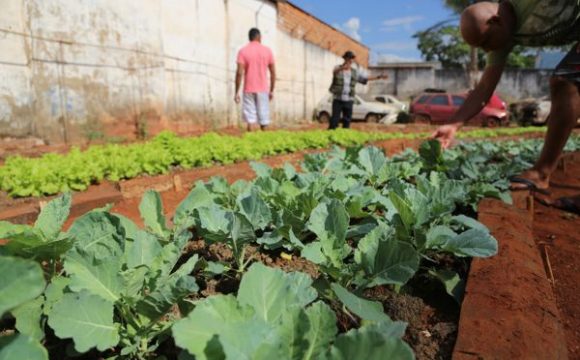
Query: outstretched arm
(474, 103)
(378, 77)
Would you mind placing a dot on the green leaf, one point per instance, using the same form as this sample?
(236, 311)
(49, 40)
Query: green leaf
(22, 239)
(365, 309)
(255, 209)
(262, 170)
(53, 216)
(142, 250)
(98, 234)
(287, 340)
(313, 253)
(242, 230)
(454, 285)
(321, 332)
(329, 221)
(100, 278)
(20, 346)
(87, 319)
(28, 317)
(271, 291)
(473, 242)
(54, 292)
(386, 260)
(169, 290)
(219, 327)
(431, 154)
(159, 302)
(372, 160)
(198, 197)
(404, 210)
(134, 282)
(130, 229)
(468, 223)
(151, 209)
(438, 236)
(369, 345)
(21, 281)
(215, 223)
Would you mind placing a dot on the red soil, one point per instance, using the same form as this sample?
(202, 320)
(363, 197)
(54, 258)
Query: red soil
(559, 234)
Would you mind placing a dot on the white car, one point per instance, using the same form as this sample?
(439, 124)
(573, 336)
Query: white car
(391, 100)
(369, 111)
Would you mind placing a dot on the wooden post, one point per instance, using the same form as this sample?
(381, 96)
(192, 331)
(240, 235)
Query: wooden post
(177, 183)
(530, 206)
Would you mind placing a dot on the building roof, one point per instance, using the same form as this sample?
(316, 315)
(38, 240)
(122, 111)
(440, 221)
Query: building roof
(408, 65)
(319, 20)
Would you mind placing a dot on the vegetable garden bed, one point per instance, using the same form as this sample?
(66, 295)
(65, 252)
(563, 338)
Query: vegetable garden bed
(366, 233)
(23, 210)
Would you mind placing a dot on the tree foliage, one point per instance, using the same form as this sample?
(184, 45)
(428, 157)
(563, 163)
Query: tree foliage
(445, 44)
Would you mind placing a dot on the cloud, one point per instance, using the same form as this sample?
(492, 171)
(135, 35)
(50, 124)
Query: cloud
(351, 27)
(405, 22)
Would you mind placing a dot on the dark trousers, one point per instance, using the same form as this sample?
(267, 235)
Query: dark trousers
(339, 108)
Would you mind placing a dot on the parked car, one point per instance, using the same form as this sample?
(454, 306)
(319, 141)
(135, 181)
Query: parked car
(391, 100)
(369, 111)
(437, 107)
(531, 111)
(496, 102)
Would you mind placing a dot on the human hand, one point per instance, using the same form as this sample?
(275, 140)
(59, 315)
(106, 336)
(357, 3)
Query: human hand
(237, 98)
(271, 96)
(445, 134)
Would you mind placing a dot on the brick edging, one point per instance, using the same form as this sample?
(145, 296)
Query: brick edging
(82, 202)
(509, 310)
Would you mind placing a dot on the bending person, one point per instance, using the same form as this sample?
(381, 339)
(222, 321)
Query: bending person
(497, 28)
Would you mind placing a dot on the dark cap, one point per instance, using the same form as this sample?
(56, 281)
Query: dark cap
(349, 55)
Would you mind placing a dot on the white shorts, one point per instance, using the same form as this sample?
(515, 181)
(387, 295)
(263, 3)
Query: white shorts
(256, 108)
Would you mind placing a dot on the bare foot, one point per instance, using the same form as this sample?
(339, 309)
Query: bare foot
(540, 180)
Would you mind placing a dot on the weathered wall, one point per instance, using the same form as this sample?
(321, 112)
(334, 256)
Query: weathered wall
(72, 70)
(406, 82)
(303, 25)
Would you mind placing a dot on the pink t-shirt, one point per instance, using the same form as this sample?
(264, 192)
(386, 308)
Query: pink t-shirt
(255, 58)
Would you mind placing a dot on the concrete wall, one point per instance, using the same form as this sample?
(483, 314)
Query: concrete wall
(71, 70)
(405, 82)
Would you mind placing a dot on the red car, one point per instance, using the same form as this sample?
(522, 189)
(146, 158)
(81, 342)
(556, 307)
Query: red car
(437, 108)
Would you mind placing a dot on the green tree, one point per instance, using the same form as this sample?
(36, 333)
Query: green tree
(445, 44)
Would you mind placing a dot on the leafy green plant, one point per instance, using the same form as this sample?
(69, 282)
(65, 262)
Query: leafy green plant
(44, 241)
(56, 173)
(130, 279)
(114, 290)
(276, 315)
(22, 281)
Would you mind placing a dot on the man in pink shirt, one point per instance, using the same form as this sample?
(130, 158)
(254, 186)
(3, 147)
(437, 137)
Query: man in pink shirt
(254, 61)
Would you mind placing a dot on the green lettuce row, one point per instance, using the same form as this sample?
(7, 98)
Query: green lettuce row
(77, 170)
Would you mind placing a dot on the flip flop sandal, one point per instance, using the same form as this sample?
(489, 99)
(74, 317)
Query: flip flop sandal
(530, 185)
(567, 204)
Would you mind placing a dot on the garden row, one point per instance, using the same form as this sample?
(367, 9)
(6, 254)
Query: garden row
(356, 220)
(77, 170)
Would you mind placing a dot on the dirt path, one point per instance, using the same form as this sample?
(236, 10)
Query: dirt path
(559, 233)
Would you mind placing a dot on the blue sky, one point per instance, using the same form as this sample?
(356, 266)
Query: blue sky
(386, 26)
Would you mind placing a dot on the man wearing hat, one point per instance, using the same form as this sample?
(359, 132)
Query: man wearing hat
(343, 89)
